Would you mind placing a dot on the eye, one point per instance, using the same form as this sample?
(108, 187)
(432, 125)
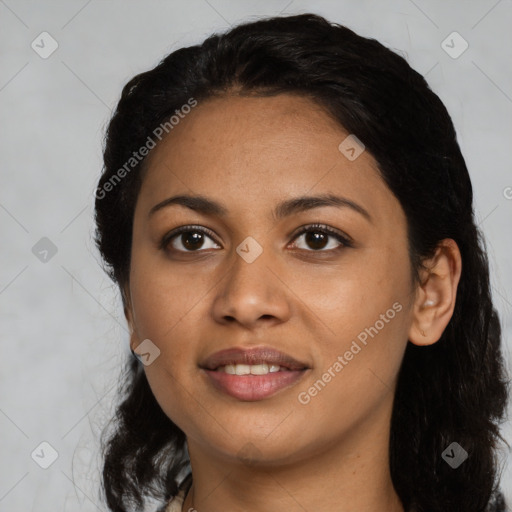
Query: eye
(194, 238)
(317, 237)
(188, 239)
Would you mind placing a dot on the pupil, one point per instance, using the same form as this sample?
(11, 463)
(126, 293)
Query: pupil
(316, 240)
(192, 240)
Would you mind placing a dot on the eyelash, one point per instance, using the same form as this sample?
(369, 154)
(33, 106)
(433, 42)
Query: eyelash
(315, 228)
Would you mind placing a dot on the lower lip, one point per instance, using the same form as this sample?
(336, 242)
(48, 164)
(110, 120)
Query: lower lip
(251, 388)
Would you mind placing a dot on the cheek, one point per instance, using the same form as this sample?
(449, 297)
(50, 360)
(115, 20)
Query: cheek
(162, 296)
(357, 372)
(162, 310)
(162, 306)
(355, 297)
(365, 312)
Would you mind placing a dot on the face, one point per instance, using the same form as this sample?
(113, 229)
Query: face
(325, 282)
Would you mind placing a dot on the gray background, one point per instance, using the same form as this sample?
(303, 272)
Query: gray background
(62, 329)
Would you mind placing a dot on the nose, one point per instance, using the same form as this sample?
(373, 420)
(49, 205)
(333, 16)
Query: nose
(252, 294)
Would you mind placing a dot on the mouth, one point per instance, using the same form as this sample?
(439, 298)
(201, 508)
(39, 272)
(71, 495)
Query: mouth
(252, 374)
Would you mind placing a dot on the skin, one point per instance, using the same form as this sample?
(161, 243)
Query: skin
(249, 154)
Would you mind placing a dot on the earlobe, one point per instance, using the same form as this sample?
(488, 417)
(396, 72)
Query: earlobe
(436, 295)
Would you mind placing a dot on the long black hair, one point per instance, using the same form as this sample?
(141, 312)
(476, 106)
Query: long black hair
(452, 391)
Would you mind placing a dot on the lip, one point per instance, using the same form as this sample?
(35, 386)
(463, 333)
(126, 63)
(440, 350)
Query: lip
(257, 355)
(252, 388)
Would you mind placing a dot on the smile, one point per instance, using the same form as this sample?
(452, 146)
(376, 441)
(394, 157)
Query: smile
(251, 374)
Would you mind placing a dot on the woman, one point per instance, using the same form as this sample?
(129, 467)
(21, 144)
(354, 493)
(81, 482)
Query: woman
(289, 218)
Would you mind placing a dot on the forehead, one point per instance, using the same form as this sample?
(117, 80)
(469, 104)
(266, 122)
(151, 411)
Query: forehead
(253, 150)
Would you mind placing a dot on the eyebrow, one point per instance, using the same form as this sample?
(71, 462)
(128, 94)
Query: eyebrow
(286, 208)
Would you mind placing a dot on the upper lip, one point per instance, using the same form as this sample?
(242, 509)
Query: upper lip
(250, 356)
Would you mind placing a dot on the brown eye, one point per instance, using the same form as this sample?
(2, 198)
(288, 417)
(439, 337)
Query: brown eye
(192, 240)
(188, 239)
(316, 239)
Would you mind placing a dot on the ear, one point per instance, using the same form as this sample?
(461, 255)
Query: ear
(128, 313)
(435, 296)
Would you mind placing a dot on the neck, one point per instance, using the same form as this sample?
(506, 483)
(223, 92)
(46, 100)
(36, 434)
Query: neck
(348, 475)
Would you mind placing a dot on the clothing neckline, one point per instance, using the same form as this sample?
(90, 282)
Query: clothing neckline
(176, 503)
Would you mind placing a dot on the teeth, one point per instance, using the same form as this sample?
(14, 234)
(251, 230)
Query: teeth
(242, 369)
(246, 369)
